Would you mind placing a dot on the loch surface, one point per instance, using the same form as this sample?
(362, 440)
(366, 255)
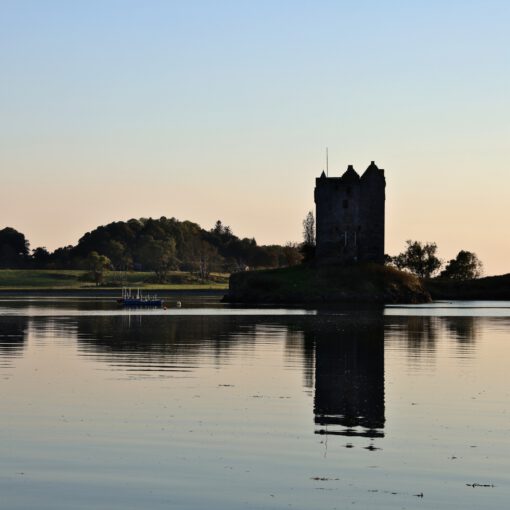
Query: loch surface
(221, 408)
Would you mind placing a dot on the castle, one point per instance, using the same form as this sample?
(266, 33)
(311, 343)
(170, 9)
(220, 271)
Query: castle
(350, 216)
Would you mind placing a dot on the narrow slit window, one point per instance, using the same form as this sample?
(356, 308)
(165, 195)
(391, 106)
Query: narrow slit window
(346, 204)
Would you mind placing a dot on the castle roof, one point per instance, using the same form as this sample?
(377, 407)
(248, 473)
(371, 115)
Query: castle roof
(372, 170)
(350, 174)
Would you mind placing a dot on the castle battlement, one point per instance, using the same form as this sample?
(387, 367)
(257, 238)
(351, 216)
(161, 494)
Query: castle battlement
(350, 216)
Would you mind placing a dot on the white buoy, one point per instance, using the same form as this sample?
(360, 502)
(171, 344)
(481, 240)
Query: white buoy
(179, 304)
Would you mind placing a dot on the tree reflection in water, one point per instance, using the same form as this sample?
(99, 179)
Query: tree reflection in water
(13, 338)
(341, 354)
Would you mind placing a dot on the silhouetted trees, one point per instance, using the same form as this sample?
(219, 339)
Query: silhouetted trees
(62, 258)
(419, 258)
(308, 245)
(129, 245)
(465, 266)
(149, 244)
(40, 258)
(292, 254)
(164, 244)
(14, 249)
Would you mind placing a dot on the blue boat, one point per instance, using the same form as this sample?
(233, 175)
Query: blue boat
(138, 300)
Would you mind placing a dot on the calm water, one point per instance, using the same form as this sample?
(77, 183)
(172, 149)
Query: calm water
(210, 407)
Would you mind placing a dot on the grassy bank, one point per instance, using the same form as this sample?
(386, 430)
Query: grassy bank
(362, 283)
(70, 279)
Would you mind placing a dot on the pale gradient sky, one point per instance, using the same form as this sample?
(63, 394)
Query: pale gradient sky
(207, 110)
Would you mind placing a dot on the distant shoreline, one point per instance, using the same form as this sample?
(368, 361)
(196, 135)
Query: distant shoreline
(489, 288)
(77, 281)
(369, 283)
(98, 292)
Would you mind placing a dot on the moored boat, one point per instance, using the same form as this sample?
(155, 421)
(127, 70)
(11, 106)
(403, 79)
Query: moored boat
(139, 300)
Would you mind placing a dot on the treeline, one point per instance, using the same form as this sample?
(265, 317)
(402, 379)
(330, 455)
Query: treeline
(421, 259)
(165, 244)
(148, 244)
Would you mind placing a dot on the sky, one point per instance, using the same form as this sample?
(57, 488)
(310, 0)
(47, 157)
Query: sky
(207, 110)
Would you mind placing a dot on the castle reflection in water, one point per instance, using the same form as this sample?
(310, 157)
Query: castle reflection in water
(349, 377)
(342, 355)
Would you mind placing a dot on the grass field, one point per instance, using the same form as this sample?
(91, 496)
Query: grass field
(71, 279)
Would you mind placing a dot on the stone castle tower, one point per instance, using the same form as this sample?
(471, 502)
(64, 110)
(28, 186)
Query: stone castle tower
(350, 216)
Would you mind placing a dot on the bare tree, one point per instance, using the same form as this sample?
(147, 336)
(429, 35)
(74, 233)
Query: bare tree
(309, 229)
(307, 248)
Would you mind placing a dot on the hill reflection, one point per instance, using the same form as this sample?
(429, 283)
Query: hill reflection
(157, 336)
(13, 338)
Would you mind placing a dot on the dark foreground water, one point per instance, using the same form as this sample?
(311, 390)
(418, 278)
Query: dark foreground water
(208, 407)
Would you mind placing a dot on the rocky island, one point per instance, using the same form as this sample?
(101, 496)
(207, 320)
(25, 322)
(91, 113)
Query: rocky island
(359, 283)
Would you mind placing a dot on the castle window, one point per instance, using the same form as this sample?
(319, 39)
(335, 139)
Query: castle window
(345, 204)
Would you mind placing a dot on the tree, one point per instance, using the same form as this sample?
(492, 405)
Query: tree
(14, 248)
(203, 258)
(419, 258)
(97, 265)
(218, 228)
(292, 254)
(465, 266)
(308, 246)
(158, 255)
(309, 229)
(41, 257)
(117, 253)
(62, 258)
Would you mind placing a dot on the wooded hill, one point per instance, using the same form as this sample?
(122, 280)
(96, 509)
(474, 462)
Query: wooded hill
(151, 245)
